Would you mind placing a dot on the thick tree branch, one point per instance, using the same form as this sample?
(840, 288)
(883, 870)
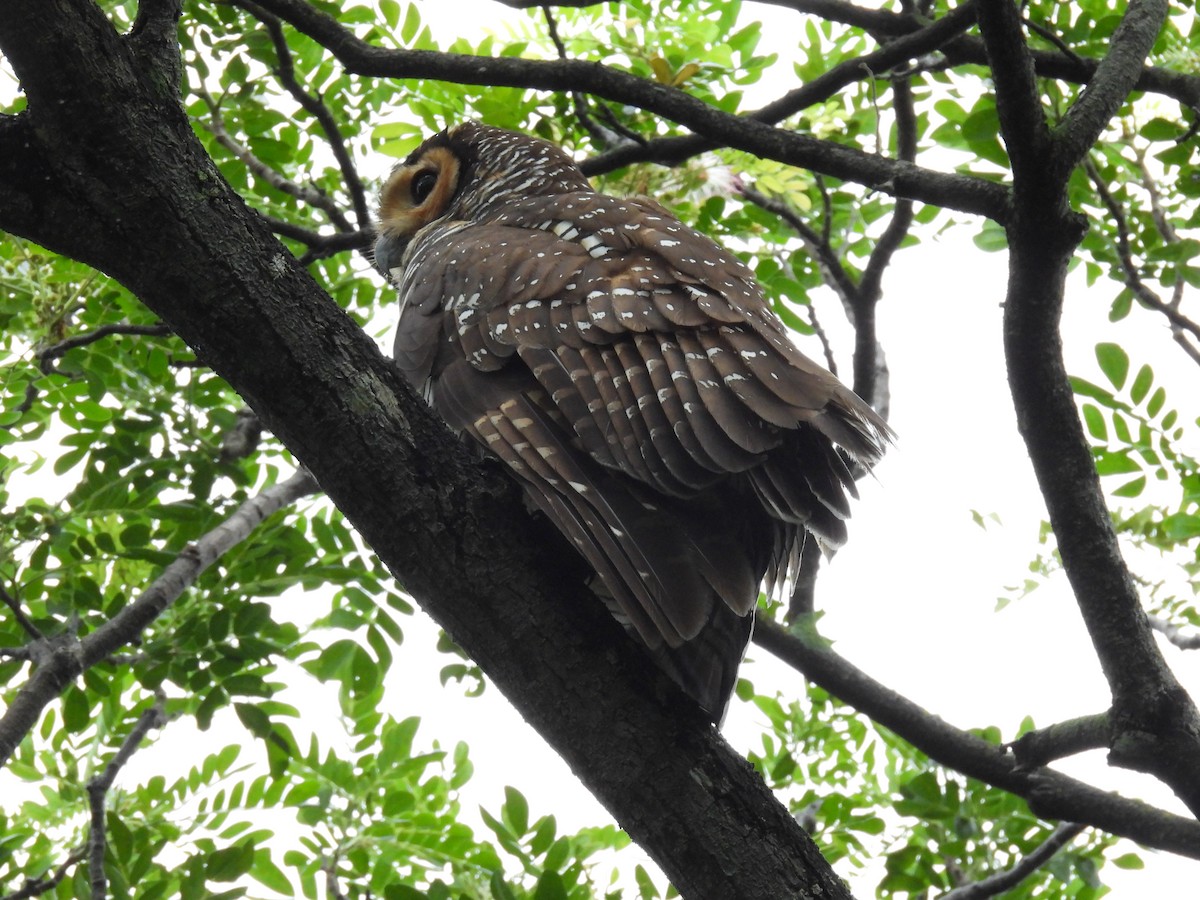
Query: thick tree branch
(1116, 76)
(674, 150)
(1050, 794)
(1154, 725)
(1037, 748)
(959, 192)
(499, 581)
(1018, 100)
(62, 658)
(1010, 878)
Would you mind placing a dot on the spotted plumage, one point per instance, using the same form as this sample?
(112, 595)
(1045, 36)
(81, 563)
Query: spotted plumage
(630, 373)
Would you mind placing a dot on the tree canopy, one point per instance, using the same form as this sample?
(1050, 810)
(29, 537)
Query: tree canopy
(219, 500)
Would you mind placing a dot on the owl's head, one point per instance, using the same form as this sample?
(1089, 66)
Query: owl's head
(467, 172)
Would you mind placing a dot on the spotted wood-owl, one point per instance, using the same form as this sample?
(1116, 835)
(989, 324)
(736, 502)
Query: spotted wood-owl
(630, 374)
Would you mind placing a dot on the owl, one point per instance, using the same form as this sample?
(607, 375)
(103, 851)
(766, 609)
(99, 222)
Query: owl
(630, 374)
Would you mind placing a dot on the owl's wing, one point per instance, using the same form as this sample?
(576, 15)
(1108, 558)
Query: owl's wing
(606, 327)
(652, 342)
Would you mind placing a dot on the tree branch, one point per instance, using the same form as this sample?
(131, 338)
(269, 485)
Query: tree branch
(832, 271)
(603, 136)
(322, 245)
(1154, 725)
(35, 887)
(1115, 77)
(23, 620)
(285, 71)
(1050, 794)
(501, 582)
(312, 196)
(1044, 745)
(674, 150)
(1178, 86)
(57, 351)
(1018, 101)
(1132, 275)
(1010, 878)
(98, 788)
(960, 192)
(63, 658)
(1175, 634)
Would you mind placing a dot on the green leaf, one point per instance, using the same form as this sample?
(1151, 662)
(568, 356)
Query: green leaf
(1132, 488)
(1114, 363)
(256, 721)
(1141, 384)
(1157, 399)
(266, 873)
(76, 709)
(230, 863)
(1159, 129)
(991, 237)
(1117, 463)
(550, 887)
(1094, 420)
(390, 9)
(515, 811)
(1129, 861)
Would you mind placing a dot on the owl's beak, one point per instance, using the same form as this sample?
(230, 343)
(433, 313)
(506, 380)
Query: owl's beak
(389, 257)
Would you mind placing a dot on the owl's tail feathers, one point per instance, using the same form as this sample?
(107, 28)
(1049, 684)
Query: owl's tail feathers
(683, 587)
(676, 571)
(706, 667)
(854, 426)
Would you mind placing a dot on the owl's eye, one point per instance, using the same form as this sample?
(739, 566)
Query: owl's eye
(422, 186)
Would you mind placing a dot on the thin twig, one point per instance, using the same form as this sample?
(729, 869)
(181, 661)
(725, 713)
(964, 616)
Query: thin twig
(822, 252)
(35, 887)
(215, 125)
(48, 355)
(332, 887)
(322, 245)
(62, 658)
(1175, 634)
(1133, 280)
(822, 336)
(1058, 741)
(98, 788)
(1044, 32)
(600, 135)
(23, 620)
(1010, 878)
(285, 71)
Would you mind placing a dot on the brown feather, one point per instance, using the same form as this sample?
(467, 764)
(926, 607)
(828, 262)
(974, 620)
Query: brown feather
(631, 373)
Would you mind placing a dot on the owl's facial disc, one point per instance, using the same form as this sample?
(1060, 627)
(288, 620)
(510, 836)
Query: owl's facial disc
(417, 192)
